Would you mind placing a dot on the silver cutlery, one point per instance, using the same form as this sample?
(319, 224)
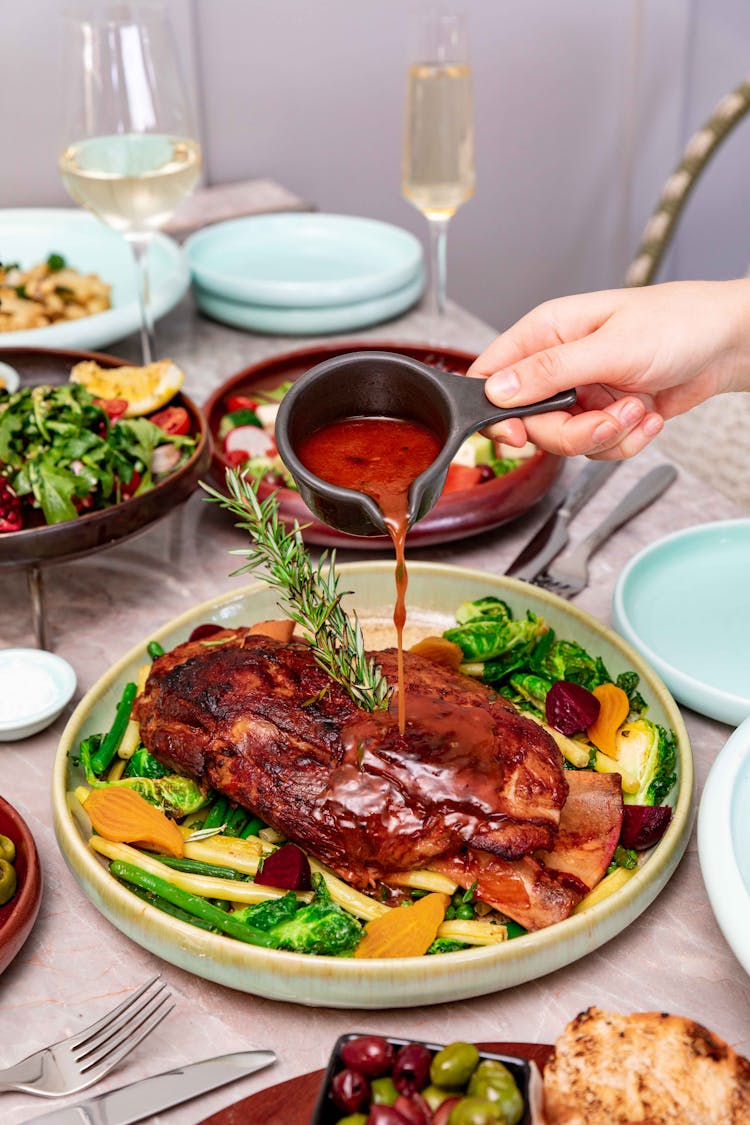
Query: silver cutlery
(161, 1091)
(82, 1059)
(552, 536)
(568, 575)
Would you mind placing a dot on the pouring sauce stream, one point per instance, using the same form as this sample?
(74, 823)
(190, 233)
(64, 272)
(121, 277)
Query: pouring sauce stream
(380, 457)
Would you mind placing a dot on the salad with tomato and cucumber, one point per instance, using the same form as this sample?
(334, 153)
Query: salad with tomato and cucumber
(71, 449)
(246, 439)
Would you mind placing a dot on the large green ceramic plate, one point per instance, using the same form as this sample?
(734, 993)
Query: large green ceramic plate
(434, 593)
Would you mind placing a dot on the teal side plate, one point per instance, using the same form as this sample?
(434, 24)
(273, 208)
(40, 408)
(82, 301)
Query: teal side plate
(303, 260)
(684, 603)
(30, 234)
(310, 322)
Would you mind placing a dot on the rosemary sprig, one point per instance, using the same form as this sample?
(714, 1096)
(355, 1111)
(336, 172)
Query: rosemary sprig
(309, 594)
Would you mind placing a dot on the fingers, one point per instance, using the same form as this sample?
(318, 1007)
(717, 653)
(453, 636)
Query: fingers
(621, 430)
(546, 326)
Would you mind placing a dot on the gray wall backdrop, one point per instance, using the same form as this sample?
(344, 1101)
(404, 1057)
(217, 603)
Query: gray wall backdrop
(582, 110)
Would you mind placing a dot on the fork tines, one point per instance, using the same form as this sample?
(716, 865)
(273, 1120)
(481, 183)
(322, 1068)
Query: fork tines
(116, 1034)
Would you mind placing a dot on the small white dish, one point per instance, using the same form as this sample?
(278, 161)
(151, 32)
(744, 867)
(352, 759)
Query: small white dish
(724, 841)
(10, 380)
(35, 686)
(684, 603)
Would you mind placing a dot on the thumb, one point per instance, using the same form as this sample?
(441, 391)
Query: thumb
(574, 364)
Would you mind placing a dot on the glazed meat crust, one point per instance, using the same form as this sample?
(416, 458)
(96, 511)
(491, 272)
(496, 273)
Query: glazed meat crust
(258, 720)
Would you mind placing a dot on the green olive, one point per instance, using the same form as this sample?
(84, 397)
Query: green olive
(7, 881)
(435, 1097)
(495, 1083)
(353, 1119)
(383, 1091)
(476, 1111)
(453, 1066)
(7, 849)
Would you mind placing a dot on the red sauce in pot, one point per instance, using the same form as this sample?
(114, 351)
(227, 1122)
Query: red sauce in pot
(380, 457)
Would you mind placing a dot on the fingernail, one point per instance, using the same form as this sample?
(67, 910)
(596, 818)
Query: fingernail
(652, 425)
(604, 432)
(503, 385)
(631, 413)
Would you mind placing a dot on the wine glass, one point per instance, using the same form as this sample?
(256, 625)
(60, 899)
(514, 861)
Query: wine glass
(438, 161)
(131, 154)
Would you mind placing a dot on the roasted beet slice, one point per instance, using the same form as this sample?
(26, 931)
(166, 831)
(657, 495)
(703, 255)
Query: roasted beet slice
(570, 707)
(203, 632)
(288, 868)
(644, 825)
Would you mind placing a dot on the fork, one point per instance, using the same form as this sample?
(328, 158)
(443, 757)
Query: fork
(82, 1059)
(569, 574)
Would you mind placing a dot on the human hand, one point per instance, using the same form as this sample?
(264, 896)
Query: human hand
(636, 357)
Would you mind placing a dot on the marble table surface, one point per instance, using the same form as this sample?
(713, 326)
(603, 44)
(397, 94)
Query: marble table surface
(75, 965)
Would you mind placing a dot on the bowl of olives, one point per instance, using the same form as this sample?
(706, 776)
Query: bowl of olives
(20, 882)
(377, 1080)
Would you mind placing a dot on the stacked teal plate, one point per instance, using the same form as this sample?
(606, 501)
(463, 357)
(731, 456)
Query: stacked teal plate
(301, 273)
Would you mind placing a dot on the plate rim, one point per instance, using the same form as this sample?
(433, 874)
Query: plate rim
(307, 294)
(105, 328)
(702, 697)
(722, 877)
(588, 930)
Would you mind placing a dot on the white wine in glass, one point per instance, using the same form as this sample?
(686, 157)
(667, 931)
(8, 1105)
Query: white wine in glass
(131, 154)
(438, 163)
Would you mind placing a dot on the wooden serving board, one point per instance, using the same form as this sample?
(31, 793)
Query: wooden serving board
(292, 1102)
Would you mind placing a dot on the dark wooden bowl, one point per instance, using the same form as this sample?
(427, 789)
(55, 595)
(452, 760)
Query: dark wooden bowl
(41, 543)
(456, 514)
(19, 914)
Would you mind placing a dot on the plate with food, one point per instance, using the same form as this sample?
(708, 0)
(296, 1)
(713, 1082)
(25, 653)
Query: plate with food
(537, 799)
(68, 281)
(20, 882)
(487, 484)
(91, 451)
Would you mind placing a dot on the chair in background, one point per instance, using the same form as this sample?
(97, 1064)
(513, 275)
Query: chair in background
(712, 440)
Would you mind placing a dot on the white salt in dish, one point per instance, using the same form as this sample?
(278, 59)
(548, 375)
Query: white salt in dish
(35, 686)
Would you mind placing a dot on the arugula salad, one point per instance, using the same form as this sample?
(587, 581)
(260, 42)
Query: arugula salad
(64, 452)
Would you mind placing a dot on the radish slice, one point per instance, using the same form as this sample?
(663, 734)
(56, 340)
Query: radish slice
(164, 459)
(251, 440)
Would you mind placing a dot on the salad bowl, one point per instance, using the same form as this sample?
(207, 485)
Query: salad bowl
(457, 514)
(435, 592)
(41, 544)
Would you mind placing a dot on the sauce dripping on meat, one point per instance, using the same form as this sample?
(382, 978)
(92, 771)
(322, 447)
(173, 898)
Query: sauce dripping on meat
(380, 457)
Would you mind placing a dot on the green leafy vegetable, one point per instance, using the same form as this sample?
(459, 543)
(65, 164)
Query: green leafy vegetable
(648, 751)
(143, 764)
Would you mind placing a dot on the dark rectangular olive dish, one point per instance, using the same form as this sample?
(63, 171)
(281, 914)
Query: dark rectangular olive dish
(326, 1112)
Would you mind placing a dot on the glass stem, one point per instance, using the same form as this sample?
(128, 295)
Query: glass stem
(139, 244)
(438, 266)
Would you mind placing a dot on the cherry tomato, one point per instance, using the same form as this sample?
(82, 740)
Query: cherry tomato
(236, 456)
(173, 420)
(462, 476)
(127, 491)
(114, 408)
(241, 402)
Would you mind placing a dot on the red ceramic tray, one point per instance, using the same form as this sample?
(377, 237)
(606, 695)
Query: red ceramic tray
(100, 529)
(292, 1102)
(19, 914)
(455, 516)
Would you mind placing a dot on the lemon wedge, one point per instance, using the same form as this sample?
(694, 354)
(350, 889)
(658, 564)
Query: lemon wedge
(145, 389)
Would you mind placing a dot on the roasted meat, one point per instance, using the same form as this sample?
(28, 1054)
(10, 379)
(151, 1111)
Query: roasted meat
(259, 721)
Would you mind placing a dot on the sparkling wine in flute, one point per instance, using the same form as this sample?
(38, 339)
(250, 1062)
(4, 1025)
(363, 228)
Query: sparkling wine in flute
(133, 182)
(438, 167)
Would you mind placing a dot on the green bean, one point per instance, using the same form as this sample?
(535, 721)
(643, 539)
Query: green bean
(217, 814)
(193, 904)
(236, 821)
(252, 828)
(198, 867)
(167, 907)
(154, 649)
(102, 758)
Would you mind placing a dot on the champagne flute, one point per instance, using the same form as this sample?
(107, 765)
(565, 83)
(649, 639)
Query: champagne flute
(131, 154)
(438, 161)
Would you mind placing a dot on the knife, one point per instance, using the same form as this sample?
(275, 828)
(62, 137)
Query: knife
(552, 536)
(161, 1091)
